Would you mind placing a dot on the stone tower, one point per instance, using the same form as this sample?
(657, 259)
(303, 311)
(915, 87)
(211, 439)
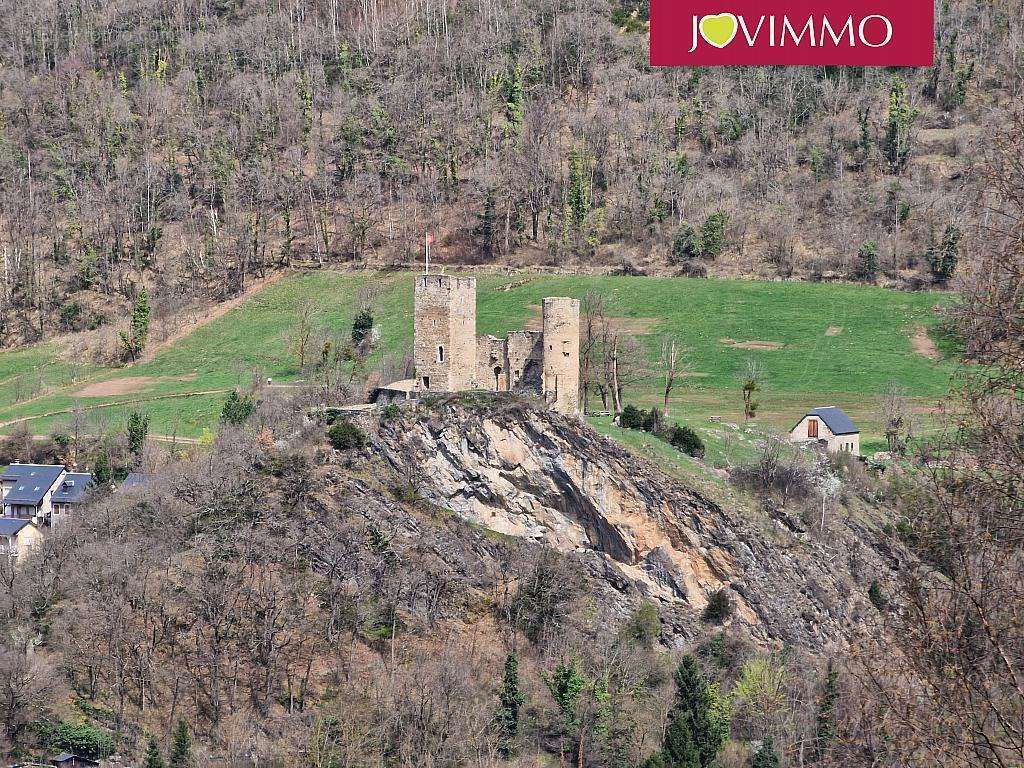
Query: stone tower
(444, 349)
(561, 378)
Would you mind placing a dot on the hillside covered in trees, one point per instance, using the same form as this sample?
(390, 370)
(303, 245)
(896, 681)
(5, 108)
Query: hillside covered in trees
(188, 147)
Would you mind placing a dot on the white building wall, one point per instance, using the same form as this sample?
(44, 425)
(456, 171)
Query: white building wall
(835, 443)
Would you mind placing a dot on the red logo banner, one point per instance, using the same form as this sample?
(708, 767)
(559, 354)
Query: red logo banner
(874, 33)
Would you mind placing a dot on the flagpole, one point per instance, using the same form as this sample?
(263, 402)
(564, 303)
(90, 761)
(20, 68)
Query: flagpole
(426, 244)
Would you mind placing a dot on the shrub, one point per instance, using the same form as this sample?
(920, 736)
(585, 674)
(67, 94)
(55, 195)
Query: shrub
(237, 408)
(712, 235)
(361, 326)
(344, 435)
(867, 261)
(687, 440)
(644, 625)
(70, 316)
(652, 421)
(631, 417)
(685, 245)
(390, 412)
(877, 596)
(719, 607)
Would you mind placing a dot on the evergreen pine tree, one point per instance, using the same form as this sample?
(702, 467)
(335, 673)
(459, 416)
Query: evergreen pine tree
(101, 471)
(898, 123)
(825, 725)
(867, 260)
(362, 326)
(698, 723)
(510, 700)
(134, 340)
(237, 408)
(578, 196)
(138, 428)
(181, 747)
(153, 757)
(514, 94)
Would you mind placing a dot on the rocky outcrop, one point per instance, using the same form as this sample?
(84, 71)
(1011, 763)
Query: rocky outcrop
(530, 473)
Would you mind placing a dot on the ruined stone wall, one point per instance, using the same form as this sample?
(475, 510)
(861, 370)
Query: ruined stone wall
(561, 323)
(524, 358)
(445, 333)
(491, 368)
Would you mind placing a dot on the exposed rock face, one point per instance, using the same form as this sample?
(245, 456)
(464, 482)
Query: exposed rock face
(531, 473)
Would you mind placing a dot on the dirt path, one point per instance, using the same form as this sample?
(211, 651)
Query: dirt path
(154, 438)
(177, 335)
(97, 406)
(923, 343)
(211, 314)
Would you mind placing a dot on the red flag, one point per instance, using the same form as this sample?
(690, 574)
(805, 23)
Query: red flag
(430, 238)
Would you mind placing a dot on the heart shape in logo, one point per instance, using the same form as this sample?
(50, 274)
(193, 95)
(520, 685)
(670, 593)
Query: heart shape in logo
(720, 29)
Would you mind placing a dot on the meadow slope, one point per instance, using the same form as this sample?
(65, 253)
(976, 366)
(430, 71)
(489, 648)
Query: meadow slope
(819, 343)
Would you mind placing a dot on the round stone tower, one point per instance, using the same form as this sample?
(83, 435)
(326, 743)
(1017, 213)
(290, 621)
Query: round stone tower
(561, 380)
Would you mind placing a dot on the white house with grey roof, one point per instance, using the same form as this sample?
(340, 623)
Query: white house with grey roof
(43, 493)
(828, 426)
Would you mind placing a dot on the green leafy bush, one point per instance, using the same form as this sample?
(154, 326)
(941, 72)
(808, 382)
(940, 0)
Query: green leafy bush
(685, 245)
(631, 417)
(867, 261)
(83, 740)
(686, 440)
(877, 596)
(719, 607)
(237, 408)
(344, 435)
(653, 420)
(361, 326)
(712, 235)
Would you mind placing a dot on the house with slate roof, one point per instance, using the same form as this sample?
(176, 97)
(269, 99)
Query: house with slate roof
(828, 426)
(69, 495)
(17, 536)
(136, 480)
(42, 493)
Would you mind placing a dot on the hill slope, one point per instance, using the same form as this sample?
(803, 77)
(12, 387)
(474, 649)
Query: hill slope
(819, 344)
(189, 148)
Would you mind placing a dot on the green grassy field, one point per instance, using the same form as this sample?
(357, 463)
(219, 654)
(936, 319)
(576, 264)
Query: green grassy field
(831, 344)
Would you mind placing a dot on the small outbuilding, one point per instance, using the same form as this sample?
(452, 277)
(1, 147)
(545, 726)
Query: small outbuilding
(828, 426)
(68, 760)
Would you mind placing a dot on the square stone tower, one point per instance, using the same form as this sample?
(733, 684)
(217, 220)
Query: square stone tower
(444, 347)
(561, 377)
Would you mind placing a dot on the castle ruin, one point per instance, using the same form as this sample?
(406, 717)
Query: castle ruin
(449, 357)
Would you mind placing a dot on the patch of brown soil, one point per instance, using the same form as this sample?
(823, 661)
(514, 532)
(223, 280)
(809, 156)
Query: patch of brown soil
(923, 343)
(115, 387)
(767, 346)
(833, 330)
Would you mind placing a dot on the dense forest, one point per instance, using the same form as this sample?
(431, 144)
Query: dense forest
(189, 146)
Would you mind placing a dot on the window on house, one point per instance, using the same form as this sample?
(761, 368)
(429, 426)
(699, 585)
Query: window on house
(426, 382)
(812, 428)
(440, 354)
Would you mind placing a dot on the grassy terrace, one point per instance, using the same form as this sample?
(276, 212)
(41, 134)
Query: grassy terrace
(819, 343)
